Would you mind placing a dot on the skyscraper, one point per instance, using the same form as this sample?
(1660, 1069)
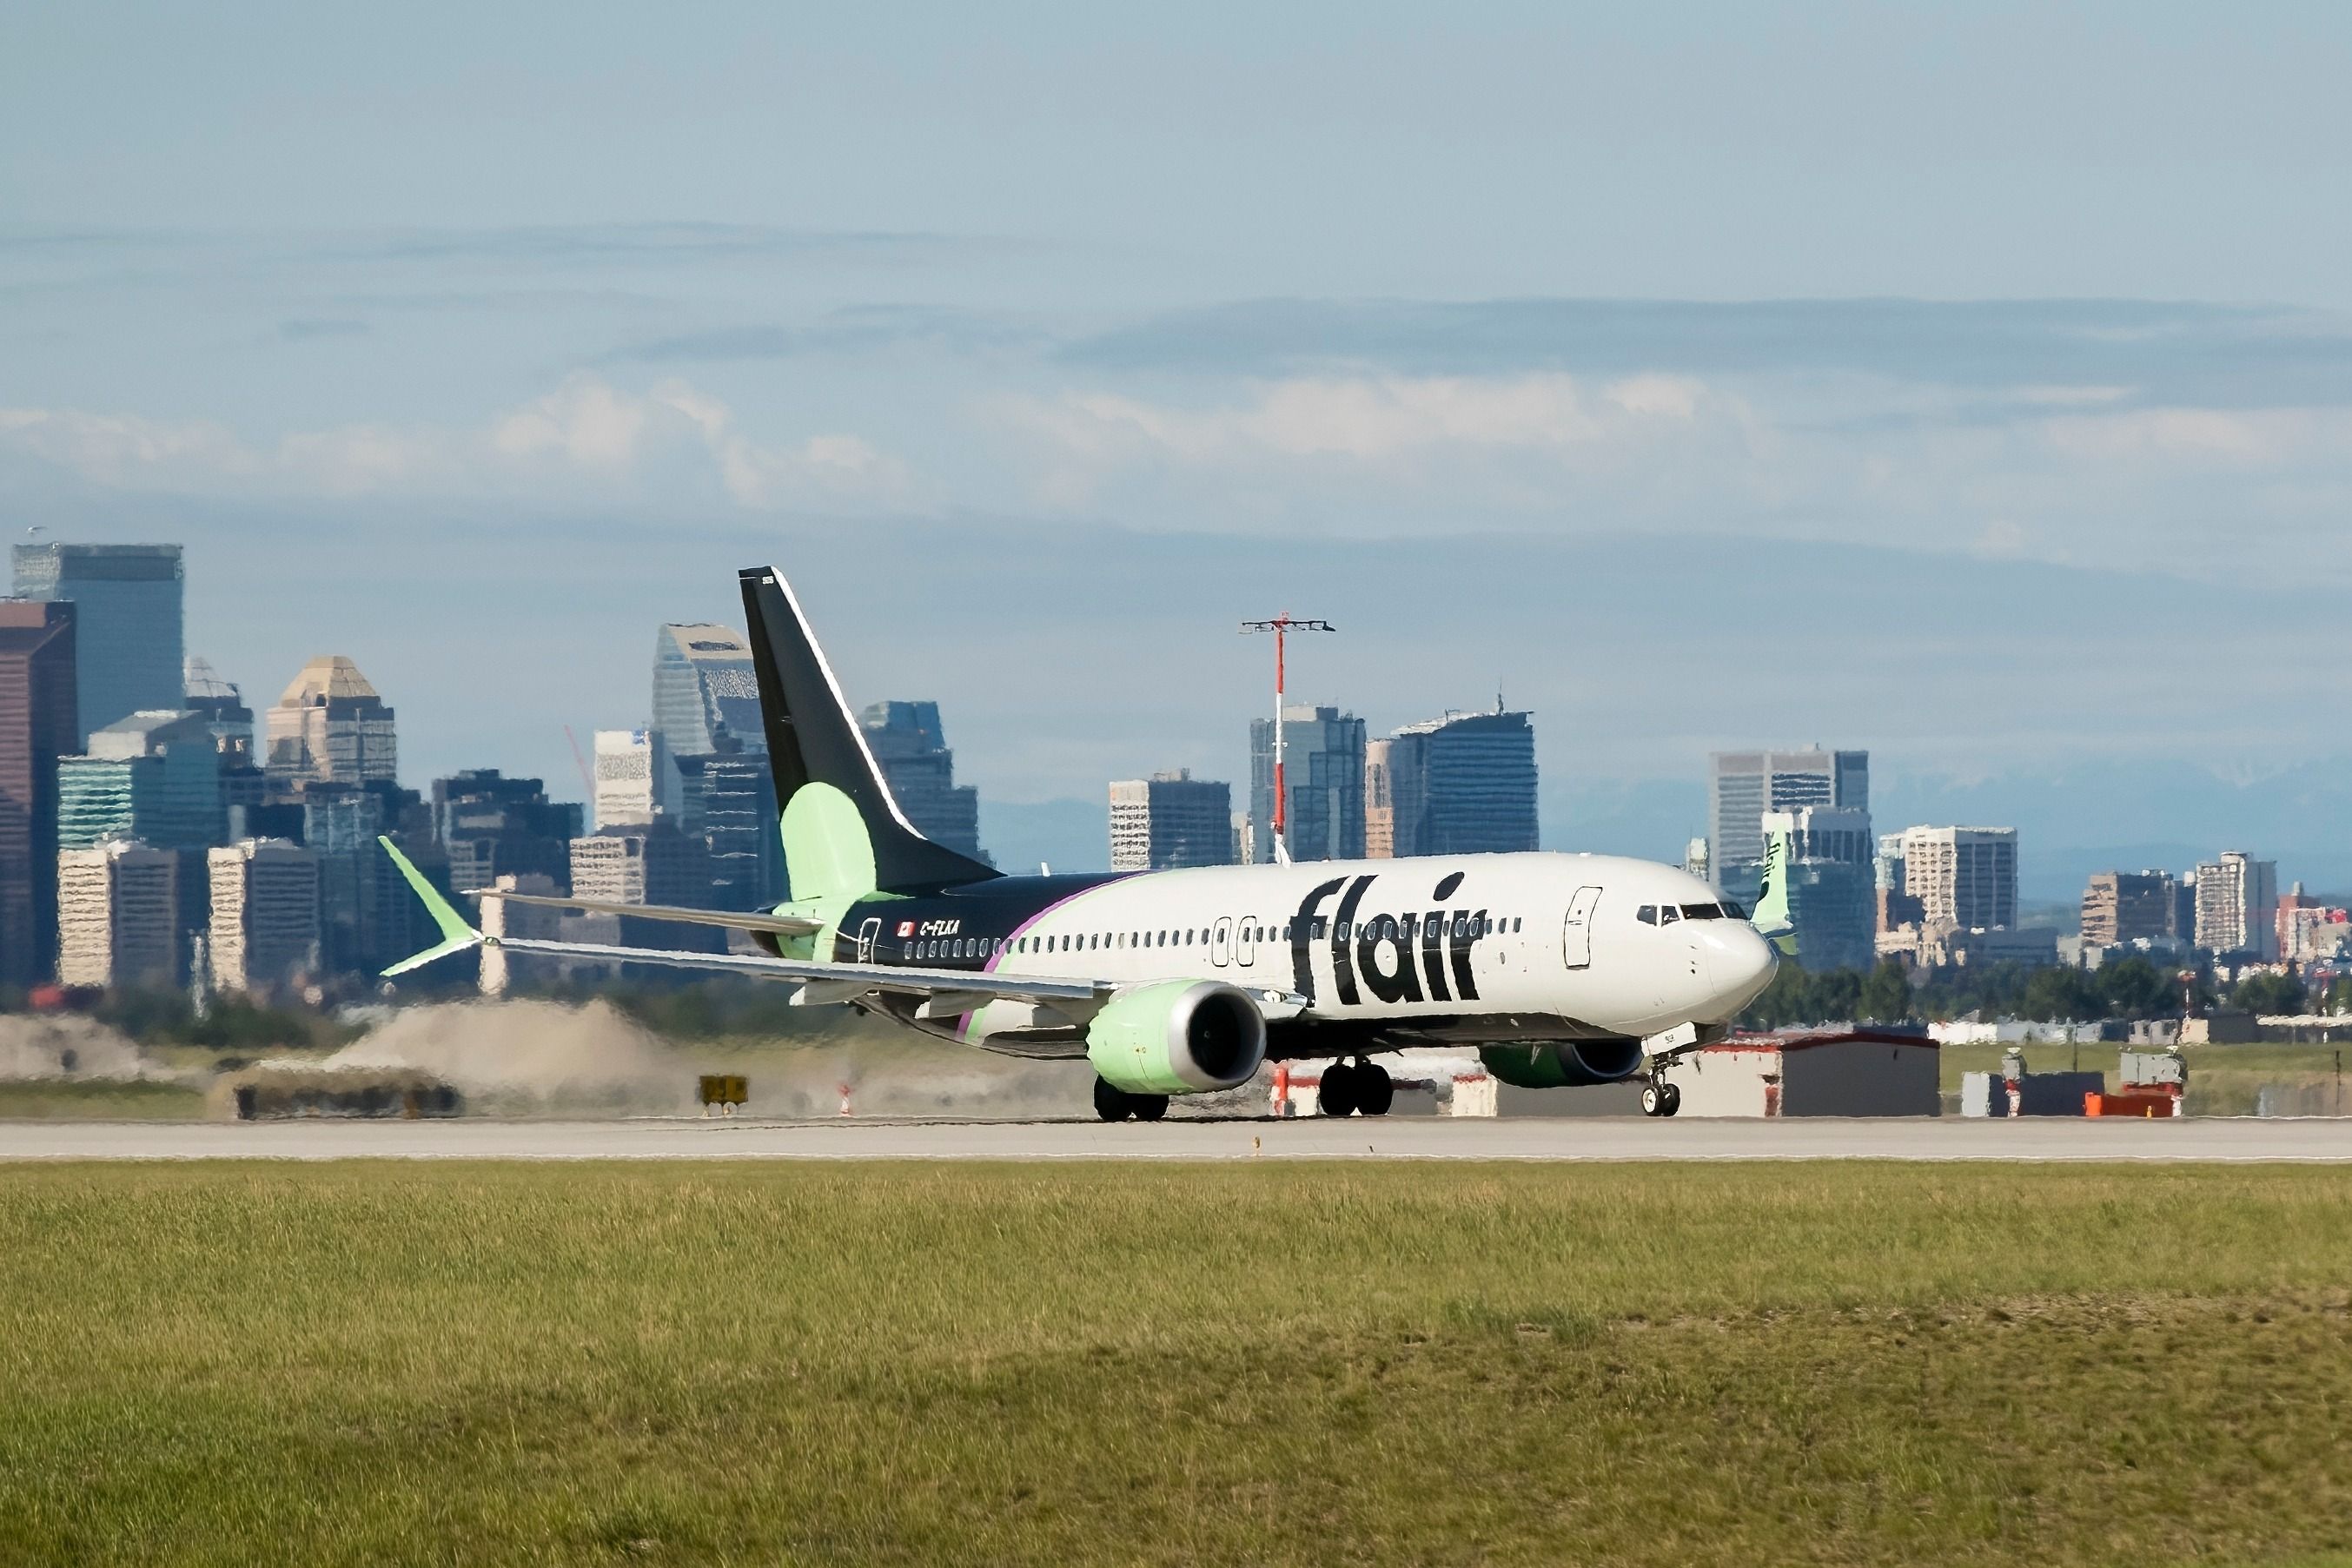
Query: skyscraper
(493, 826)
(2129, 906)
(729, 804)
(1890, 887)
(1964, 877)
(911, 748)
(1171, 820)
(1461, 785)
(635, 779)
(1744, 785)
(39, 723)
(1832, 909)
(265, 913)
(361, 928)
(1323, 774)
(119, 921)
(649, 863)
(127, 630)
(1396, 794)
(704, 688)
(330, 726)
(225, 712)
(707, 709)
(153, 776)
(2237, 905)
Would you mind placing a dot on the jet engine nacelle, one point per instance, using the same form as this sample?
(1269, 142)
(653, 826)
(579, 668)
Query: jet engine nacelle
(1178, 1036)
(1584, 1064)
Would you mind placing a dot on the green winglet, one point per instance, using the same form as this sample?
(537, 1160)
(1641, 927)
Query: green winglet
(457, 936)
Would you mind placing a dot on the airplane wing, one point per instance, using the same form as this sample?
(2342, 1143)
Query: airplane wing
(780, 925)
(946, 991)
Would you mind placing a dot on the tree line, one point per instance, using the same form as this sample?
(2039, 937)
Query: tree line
(2128, 989)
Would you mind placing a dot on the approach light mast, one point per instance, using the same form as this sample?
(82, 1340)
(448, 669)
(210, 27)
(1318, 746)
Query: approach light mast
(1282, 626)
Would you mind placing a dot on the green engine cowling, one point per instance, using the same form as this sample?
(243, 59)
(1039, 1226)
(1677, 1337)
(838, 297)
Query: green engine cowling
(1578, 1066)
(1178, 1036)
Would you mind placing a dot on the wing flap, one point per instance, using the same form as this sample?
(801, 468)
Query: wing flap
(778, 924)
(837, 977)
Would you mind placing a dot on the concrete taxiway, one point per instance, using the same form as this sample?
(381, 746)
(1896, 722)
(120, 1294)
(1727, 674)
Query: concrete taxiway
(2196, 1140)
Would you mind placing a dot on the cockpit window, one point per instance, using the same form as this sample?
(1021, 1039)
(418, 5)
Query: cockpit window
(1702, 912)
(1666, 916)
(1647, 914)
(1732, 912)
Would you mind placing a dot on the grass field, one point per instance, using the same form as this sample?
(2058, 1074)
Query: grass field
(113, 1100)
(1802, 1364)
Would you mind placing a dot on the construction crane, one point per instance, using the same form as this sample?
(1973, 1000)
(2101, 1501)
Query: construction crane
(587, 779)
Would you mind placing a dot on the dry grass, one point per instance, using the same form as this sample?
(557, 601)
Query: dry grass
(101, 1099)
(915, 1363)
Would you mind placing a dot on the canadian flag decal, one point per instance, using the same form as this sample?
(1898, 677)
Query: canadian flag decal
(906, 929)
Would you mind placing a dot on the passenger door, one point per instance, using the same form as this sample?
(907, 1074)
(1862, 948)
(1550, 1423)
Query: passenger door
(1577, 940)
(1221, 943)
(1246, 942)
(867, 934)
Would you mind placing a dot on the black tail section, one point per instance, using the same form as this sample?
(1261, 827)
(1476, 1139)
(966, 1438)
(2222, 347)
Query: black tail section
(814, 739)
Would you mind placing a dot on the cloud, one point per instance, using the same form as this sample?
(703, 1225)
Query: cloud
(584, 421)
(586, 435)
(1366, 419)
(111, 448)
(2156, 352)
(2235, 438)
(853, 331)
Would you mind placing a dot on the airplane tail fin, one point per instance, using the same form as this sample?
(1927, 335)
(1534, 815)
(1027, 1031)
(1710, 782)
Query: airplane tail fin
(844, 835)
(1770, 915)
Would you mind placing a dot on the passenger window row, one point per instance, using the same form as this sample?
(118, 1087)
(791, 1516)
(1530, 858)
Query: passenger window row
(1462, 928)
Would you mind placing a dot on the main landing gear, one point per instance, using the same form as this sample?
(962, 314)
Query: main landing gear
(1115, 1104)
(1362, 1087)
(1660, 1098)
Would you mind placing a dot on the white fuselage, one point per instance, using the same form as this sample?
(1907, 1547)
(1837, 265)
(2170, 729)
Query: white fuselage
(1400, 943)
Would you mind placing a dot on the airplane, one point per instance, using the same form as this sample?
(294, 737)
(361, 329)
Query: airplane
(1560, 969)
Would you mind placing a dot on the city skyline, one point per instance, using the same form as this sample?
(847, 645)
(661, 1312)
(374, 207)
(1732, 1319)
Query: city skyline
(2174, 811)
(179, 779)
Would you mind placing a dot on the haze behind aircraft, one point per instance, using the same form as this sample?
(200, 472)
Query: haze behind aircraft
(1560, 969)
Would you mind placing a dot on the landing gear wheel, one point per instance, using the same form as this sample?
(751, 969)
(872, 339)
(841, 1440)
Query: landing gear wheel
(1654, 1098)
(1673, 1096)
(1152, 1107)
(1375, 1090)
(1336, 1095)
(1115, 1104)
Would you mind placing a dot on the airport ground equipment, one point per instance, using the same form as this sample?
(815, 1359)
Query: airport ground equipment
(1811, 1072)
(270, 1091)
(724, 1092)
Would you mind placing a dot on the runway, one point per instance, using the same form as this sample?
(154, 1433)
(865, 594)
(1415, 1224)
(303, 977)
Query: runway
(1583, 1138)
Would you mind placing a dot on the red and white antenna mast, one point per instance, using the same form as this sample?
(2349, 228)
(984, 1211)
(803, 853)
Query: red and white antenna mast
(1282, 626)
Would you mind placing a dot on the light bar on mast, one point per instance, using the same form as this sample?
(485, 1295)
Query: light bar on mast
(1282, 626)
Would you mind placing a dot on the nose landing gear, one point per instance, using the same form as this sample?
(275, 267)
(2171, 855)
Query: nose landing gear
(1660, 1098)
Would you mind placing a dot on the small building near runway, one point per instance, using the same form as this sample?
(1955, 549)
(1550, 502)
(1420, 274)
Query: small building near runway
(1811, 1072)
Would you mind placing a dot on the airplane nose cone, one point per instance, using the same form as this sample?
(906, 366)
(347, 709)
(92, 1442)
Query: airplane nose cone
(1741, 965)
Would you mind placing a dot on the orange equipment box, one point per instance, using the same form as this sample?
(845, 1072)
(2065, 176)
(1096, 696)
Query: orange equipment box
(2097, 1104)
